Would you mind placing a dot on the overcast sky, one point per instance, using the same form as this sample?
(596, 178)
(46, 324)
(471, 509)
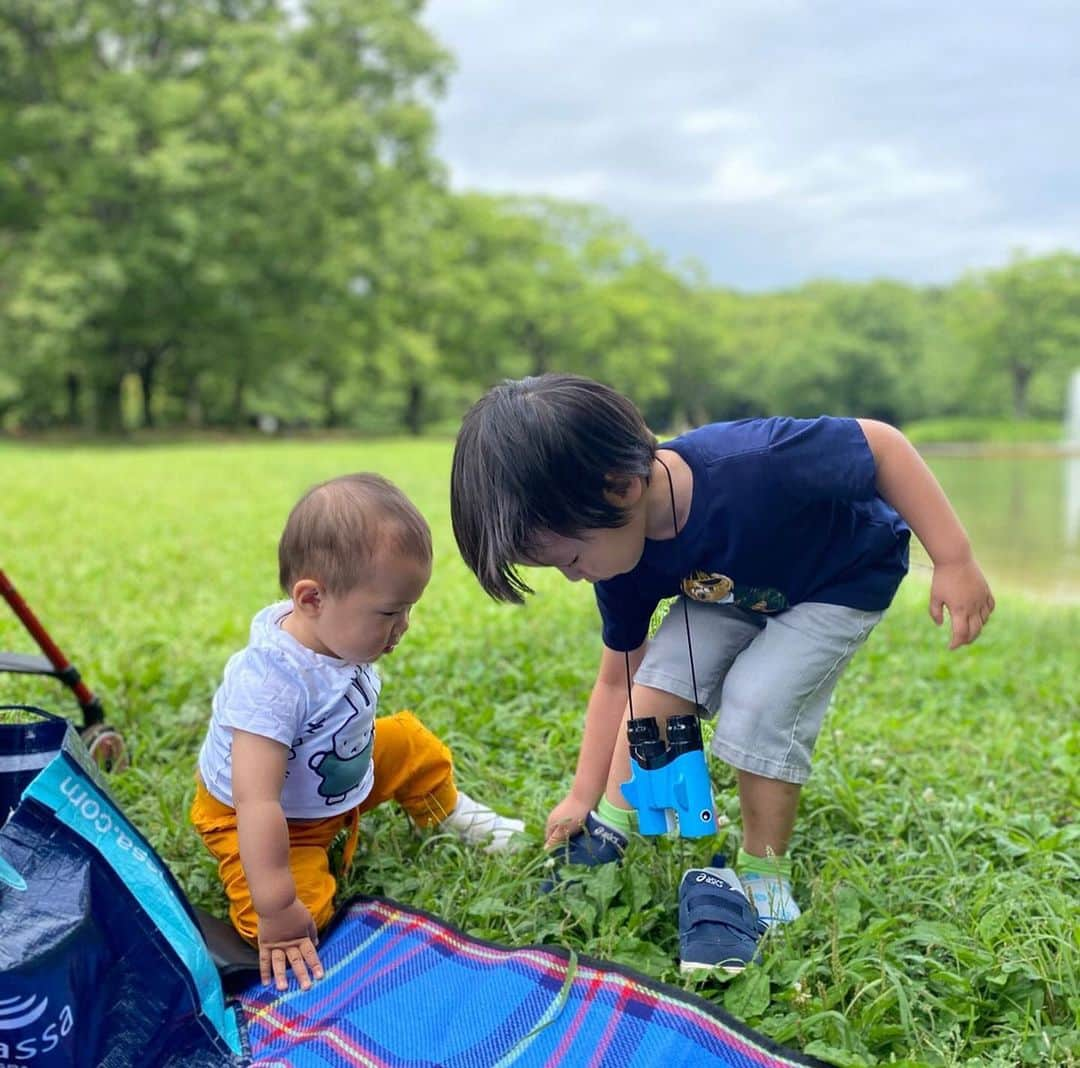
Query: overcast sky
(780, 140)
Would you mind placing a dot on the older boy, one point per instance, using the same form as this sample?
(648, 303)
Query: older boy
(785, 540)
(294, 753)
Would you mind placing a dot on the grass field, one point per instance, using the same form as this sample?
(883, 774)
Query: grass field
(937, 849)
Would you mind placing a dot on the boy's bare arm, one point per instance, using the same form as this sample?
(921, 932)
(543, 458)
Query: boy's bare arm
(603, 721)
(905, 481)
(287, 934)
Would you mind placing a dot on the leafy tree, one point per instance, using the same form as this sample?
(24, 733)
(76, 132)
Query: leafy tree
(200, 184)
(872, 336)
(775, 370)
(229, 207)
(1024, 321)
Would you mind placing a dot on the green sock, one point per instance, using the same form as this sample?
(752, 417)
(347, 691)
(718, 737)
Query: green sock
(775, 866)
(622, 819)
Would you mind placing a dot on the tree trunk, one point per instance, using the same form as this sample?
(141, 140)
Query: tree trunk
(147, 373)
(237, 416)
(1021, 378)
(73, 389)
(414, 409)
(331, 418)
(536, 348)
(108, 413)
(193, 413)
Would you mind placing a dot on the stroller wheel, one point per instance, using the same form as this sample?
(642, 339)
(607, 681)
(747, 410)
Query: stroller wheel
(106, 745)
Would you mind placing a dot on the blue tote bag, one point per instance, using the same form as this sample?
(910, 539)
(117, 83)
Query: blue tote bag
(101, 960)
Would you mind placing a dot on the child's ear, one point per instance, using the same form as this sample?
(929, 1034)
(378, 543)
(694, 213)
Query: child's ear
(307, 597)
(623, 491)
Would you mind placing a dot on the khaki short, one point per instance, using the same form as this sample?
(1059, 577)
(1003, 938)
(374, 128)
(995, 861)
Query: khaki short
(767, 678)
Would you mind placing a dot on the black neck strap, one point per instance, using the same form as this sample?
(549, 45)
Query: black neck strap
(686, 610)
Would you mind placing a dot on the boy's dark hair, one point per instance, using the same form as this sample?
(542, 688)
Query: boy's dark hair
(534, 456)
(337, 527)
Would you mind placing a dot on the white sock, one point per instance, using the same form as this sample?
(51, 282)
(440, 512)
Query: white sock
(477, 824)
(772, 897)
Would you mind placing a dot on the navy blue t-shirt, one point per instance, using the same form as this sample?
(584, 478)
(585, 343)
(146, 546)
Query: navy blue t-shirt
(783, 511)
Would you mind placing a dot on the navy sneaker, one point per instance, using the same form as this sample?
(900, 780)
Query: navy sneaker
(718, 926)
(596, 843)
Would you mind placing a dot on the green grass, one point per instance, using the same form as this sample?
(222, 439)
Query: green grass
(937, 850)
(984, 431)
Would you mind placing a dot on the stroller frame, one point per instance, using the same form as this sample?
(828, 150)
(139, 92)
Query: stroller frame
(105, 743)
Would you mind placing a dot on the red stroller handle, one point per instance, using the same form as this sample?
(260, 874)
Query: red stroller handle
(66, 672)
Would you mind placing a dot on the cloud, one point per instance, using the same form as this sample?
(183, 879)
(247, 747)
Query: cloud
(712, 120)
(777, 140)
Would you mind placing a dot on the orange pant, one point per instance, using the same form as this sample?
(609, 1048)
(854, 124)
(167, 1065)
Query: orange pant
(412, 767)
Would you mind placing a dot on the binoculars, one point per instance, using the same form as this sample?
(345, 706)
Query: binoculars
(669, 783)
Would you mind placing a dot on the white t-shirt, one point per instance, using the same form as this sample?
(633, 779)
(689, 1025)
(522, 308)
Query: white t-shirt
(321, 707)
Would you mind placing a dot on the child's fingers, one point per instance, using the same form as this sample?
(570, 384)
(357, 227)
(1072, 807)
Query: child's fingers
(296, 962)
(959, 630)
(965, 628)
(280, 967)
(555, 835)
(937, 606)
(558, 832)
(264, 966)
(311, 958)
(968, 622)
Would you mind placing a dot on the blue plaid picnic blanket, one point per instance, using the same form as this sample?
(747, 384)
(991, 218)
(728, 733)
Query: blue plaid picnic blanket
(404, 988)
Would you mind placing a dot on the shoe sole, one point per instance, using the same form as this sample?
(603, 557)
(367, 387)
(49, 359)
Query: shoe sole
(687, 967)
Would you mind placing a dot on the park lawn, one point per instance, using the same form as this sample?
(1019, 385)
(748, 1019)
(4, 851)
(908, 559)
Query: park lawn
(936, 854)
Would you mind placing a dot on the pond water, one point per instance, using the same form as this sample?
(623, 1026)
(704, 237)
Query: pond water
(1022, 513)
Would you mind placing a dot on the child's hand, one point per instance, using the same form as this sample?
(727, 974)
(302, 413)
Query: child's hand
(565, 820)
(287, 939)
(963, 590)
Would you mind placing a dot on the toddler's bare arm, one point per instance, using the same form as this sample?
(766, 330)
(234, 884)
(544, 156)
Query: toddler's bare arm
(287, 934)
(905, 481)
(600, 745)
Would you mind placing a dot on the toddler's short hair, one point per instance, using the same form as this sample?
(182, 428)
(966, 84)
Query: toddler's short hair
(534, 456)
(338, 526)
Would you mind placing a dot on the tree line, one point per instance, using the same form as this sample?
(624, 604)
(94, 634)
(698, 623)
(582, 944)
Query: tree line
(220, 210)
